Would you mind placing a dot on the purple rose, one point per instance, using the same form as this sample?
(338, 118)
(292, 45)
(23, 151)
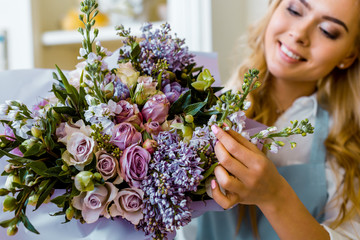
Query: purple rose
(108, 166)
(134, 165)
(130, 113)
(153, 127)
(172, 91)
(94, 204)
(129, 205)
(124, 134)
(156, 108)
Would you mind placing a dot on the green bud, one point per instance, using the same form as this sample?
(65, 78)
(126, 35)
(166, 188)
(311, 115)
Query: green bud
(70, 213)
(8, 168)
(293, 145)
(9, 203)
(84, 181)
(189, 118)
(36, 132)
(2, 145)
(64, 168)
(97, 176)
(12, 230)
(4, 191)
(33, 199)
(280, 143)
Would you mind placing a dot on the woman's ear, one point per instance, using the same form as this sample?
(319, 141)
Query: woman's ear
(348, 60)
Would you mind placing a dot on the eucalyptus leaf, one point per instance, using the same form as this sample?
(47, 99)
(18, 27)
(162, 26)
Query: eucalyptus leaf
(27, 224)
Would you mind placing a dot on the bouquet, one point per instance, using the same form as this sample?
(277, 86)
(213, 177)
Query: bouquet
(132, 141)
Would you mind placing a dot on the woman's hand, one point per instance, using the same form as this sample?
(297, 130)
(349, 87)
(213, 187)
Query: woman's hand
(246, 174)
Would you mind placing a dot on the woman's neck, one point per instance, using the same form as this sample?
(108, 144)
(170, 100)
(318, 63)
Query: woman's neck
(285, 92)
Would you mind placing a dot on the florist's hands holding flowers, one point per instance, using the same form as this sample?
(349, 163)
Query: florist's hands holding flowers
(244, 172)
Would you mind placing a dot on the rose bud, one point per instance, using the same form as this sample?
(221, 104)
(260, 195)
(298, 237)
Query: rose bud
(153, 127)
(84, 181)
(127, 74)
(36, 132)
(150, 145)
(69, 213)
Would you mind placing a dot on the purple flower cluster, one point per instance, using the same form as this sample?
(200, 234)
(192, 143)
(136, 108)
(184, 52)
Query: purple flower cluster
(173, 171)
(158, 48)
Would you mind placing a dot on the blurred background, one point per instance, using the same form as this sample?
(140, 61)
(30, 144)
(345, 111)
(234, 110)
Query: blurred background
(42, 33)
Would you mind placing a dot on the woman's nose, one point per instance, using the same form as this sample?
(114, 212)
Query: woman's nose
(301, 33)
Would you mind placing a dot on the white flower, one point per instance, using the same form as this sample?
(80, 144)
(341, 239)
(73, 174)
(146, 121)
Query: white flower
(82, 52)
(274, 148)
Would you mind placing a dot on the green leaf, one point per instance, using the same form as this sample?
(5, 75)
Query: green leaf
(45, 193)
(60, 200)
(209, 171)
(65, 110)
(15, 158)
(27, 224)
(135, 51)
(53, 172)
(33, 150)
(183, 101)
(194, 108)
(38, 167)
(9, 222)
(200, 191)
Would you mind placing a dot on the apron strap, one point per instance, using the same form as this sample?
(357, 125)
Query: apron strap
(318, 150)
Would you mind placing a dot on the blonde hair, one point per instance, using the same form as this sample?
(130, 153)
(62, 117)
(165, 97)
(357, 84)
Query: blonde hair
(338, 92)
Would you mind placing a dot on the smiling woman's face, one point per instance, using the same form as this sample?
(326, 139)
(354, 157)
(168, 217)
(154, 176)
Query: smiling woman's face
(306, 39)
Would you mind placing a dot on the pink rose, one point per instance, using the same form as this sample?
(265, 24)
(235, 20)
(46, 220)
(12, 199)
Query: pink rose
(129, 205)
(153, 127)
(79, 151)
(108, 166)
(124, 134)
(156, 108)
(134, 165)
(130, 113)
(94, 204)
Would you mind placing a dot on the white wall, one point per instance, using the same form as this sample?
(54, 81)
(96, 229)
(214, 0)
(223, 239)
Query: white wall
(16, 20)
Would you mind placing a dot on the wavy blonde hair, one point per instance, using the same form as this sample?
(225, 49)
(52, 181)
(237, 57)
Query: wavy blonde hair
(338, 92)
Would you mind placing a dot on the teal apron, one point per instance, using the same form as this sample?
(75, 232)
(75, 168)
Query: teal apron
(308, 180)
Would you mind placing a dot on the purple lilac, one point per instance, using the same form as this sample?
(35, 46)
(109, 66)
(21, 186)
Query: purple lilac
(173, 171)
(158, 46)
(121, 91)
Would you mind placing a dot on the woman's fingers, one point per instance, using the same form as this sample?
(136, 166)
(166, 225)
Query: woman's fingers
(229, 199)
(237, 149)
(243, 140)
(234, 166)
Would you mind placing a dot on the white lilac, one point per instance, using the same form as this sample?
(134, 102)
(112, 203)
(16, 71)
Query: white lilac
(173, 171)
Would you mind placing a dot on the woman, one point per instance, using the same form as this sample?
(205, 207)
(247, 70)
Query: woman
(307, 53)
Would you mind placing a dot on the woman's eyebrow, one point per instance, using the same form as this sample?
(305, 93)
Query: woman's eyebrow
(332, 19)
(335, 20)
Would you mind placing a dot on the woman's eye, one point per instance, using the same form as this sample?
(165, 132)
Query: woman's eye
(293, 11)
(328, 34)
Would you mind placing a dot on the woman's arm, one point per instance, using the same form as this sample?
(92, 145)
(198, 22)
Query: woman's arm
(249, 177)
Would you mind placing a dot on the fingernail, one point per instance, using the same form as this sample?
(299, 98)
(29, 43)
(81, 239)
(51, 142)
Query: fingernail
(215, 129)
(213, 184)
